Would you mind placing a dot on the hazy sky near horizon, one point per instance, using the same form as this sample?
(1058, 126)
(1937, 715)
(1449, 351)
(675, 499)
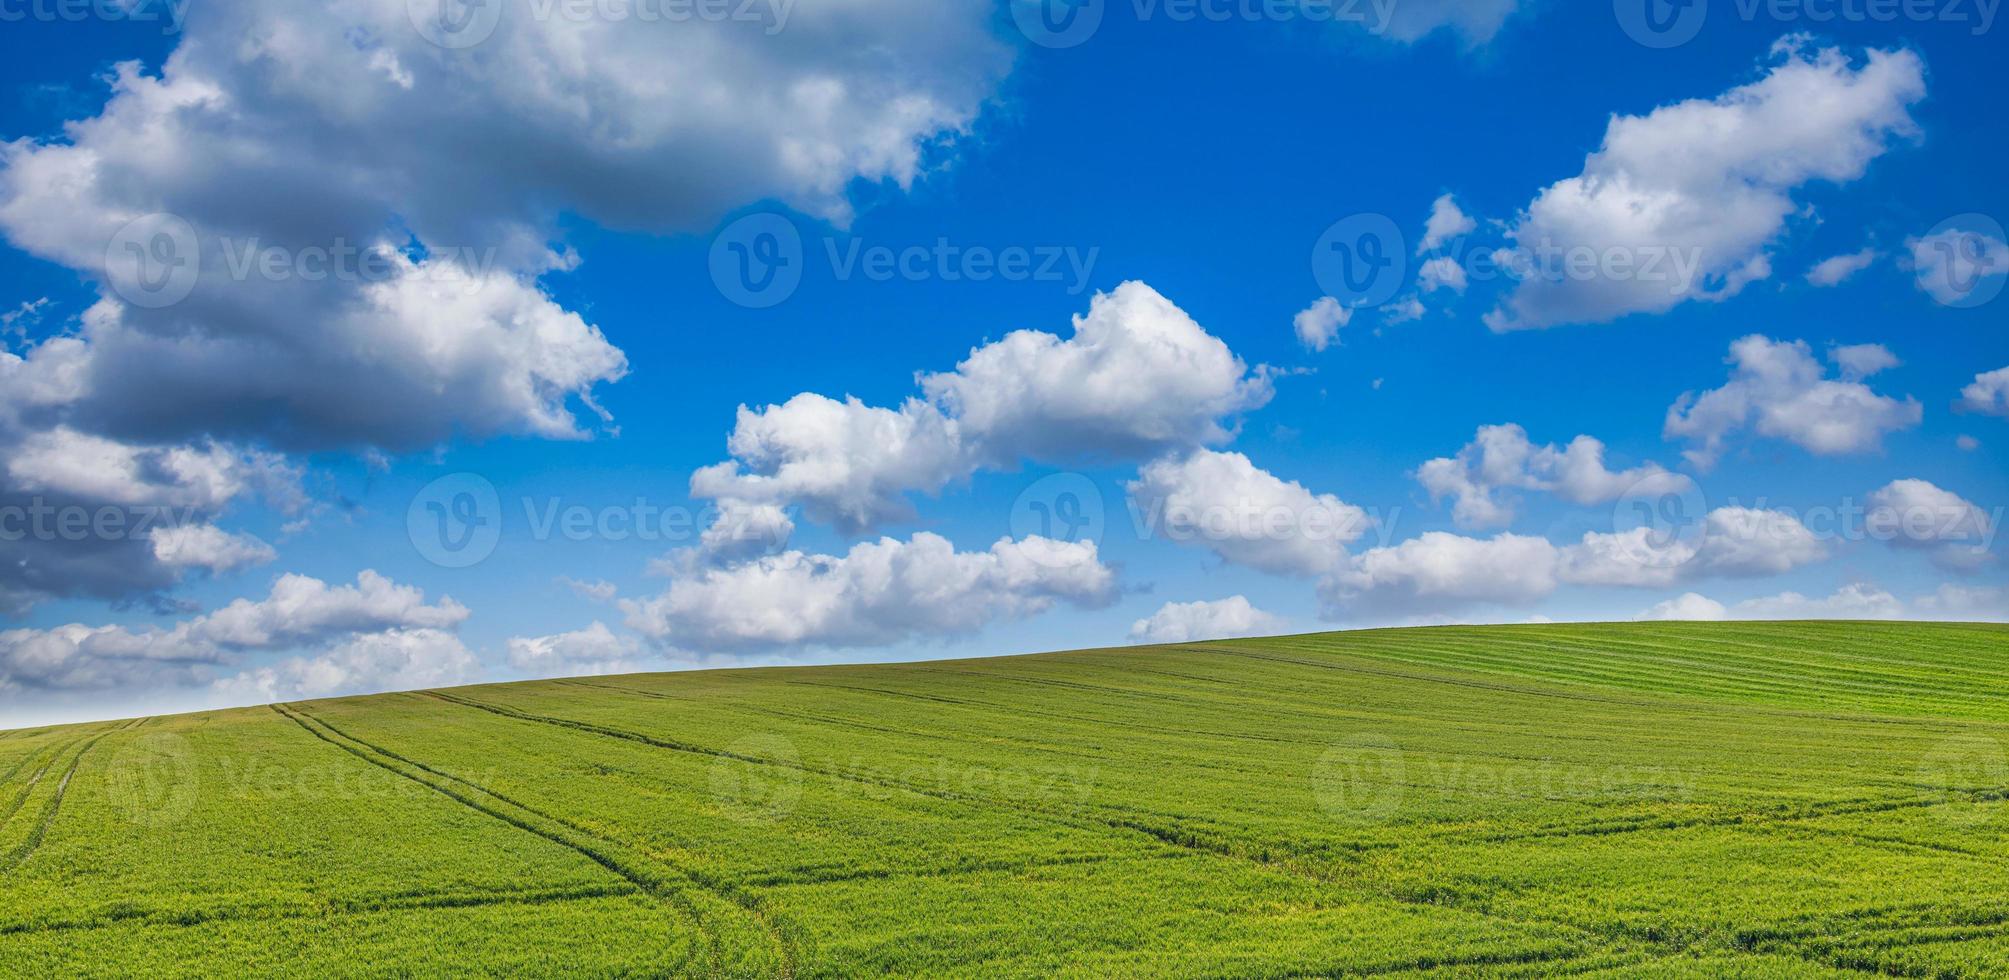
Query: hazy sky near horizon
(362, 345)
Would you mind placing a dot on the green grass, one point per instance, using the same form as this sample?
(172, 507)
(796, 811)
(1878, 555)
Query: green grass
(1782, 800)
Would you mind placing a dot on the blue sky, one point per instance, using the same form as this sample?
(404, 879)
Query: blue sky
(1201, 159)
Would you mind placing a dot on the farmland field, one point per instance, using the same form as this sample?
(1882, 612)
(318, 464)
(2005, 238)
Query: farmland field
(1791, 800)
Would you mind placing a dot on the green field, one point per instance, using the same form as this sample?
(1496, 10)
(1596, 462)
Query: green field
(1793, 800)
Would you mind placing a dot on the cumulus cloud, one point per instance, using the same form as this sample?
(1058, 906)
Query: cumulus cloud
(1439, 571)
(1442, 272)
(1501, 459)
(1687, 606)
(1732, 541)
(208, 547)
(369, 663)
(373, 622)
(1778, 389)
(1702, 188)
(879, 592)
(1951, 264)
(1226, 504)
(1318, 325)
(1138, 378)
(292, 249)
(1854, 601)
(593, 650)
(1191, 622)
(846, 463)
(1446, 223)
(1838, 269)
(1918, 514)
(1476, 21)
(1988, 395)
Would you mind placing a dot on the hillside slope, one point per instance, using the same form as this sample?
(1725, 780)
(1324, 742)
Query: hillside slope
(1636, 800)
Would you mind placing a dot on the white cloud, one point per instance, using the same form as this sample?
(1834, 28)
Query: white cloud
(879, 592)
(1733, 541)
(1918, 514)
(1446, 222)
(365, 631)
(301, 610)
(1967, 443)
(1138, 378)
(1703, 187)
(1780, 390)
(79, 657)
(593, 650)
(1226, 504)
(1442, 272)
(368, 663)
(1688, 606)
(1838, 269)
(1849, 602)
(1476, 21)
(1192, 622)
(1438, 570)
(1989, 394)
(1859, 361)
(1986, 603)
(208, 547)
(1853, 601)
(846, 462)
(1404, 310)
(1952, 264)
(1318, 325)
(1501, 458)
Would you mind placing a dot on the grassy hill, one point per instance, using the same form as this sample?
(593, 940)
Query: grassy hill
(1607, 800)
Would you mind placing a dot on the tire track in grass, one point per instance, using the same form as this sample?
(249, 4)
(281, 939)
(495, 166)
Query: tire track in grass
(33, 842)
(1179, 837)
(601, 850)
(191, 918)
